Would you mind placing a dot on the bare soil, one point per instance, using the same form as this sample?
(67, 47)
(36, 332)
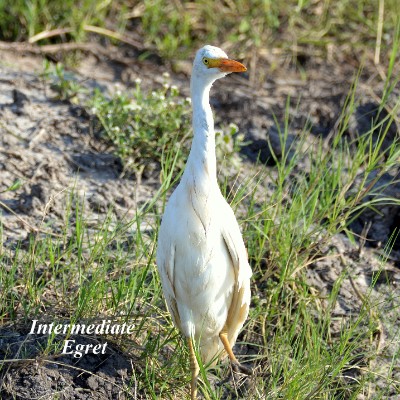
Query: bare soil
(51, 147)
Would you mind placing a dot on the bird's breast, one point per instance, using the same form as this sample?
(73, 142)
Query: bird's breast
(198, 208)
(203, 274)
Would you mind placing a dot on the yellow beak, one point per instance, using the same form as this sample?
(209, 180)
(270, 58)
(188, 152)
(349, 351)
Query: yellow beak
(227, 65)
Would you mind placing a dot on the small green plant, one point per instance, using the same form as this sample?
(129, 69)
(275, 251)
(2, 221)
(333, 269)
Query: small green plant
(15, 186)
(228, 145)
(142, 126)
(63, 82)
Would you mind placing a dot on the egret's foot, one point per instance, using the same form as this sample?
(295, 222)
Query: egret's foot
(238, 382)
(236, 366)
(240, 368)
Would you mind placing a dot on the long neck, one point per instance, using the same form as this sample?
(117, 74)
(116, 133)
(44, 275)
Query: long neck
(201, 162)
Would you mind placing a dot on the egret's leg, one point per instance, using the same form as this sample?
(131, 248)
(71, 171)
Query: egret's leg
(194, 367)
(234, 361)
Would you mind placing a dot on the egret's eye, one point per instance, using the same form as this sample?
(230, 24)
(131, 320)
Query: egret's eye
(206, 61)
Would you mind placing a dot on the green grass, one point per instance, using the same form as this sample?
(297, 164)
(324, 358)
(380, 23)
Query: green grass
(21, 20)
(176, 29)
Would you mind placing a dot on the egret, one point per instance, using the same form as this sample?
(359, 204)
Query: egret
(201, 256)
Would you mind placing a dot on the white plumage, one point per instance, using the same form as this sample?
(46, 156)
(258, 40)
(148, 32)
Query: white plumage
(201, 257)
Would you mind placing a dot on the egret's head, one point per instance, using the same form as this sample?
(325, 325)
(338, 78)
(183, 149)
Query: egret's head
(212, 63)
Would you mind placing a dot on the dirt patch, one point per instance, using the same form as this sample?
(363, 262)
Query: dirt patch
(48, 146)
(92, 376)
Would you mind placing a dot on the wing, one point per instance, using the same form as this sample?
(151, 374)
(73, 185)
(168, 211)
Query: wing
(166, 269)
(240, 304)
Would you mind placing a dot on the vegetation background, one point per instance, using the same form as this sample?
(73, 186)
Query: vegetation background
(311, 168)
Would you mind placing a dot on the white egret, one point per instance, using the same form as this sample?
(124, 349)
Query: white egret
(201, 256)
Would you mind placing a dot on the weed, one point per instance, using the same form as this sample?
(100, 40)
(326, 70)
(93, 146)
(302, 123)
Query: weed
(63, 82)
(144, 126)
